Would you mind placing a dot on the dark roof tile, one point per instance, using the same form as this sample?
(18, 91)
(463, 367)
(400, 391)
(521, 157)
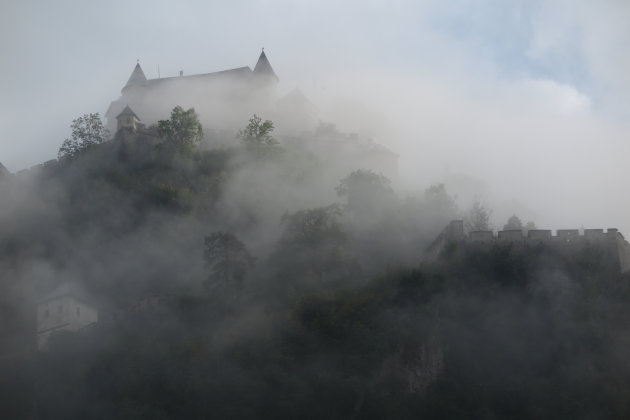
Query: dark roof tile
(127, 111)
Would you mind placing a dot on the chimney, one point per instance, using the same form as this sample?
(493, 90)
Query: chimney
(181, 73)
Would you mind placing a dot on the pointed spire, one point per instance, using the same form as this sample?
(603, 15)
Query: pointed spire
(263, 67)
(137, 77)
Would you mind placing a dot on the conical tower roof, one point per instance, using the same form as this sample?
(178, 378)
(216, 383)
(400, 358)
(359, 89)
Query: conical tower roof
(263, 67)
(128, 111)
(137, 77)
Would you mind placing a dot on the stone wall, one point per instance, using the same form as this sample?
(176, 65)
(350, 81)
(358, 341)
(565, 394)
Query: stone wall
(567, 239)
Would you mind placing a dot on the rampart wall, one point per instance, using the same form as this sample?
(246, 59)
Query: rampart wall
(544, 235)
(567, 239)
(40, 169)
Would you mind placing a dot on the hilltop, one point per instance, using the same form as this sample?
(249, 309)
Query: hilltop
(253, 275)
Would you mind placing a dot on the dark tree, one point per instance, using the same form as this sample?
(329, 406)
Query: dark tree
(183, 130)
(365, 190)
(513, 223)
(313, 241)
(257, 136)
(478, 217)
(87, 132)
(313, 227)
(227, 258)
(439, 204)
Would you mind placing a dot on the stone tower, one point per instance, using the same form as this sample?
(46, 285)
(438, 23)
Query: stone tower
(127, 119)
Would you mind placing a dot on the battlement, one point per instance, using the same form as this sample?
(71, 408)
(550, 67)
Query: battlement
(567, 239)
(543, 235)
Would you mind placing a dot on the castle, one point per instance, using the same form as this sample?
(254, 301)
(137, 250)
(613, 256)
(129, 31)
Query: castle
(224, 99)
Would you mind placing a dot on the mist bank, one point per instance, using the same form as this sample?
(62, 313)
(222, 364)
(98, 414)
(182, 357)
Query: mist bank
(255, 275)
(132, 221)
(524, 144)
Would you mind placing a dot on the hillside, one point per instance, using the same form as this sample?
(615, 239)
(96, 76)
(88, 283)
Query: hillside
(288, 279)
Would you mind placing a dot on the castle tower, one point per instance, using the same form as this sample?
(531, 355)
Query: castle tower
(263, 69)
(127, 119)
(136, 79)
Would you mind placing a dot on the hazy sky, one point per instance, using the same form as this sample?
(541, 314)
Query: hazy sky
(530, 98)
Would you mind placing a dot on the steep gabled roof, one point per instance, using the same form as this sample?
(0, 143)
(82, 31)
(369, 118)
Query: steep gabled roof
(137, 77)
(127, 111)
(263, 67)
(296, 98)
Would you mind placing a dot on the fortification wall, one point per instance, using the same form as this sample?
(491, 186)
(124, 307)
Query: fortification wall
(38, 170)
(569, 240)
(543, 235)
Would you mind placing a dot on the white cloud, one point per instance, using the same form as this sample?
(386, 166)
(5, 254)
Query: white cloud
(533, 141)
(594, 35)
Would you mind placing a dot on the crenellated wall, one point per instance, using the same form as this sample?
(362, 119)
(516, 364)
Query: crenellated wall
(542, 235)
(569, 240)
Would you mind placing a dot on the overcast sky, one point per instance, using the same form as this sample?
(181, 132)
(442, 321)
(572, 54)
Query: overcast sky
(528, 101)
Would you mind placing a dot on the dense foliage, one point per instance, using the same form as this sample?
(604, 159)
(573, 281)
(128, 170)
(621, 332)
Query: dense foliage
(87, 132)
(257, 138)
(340, 317)
(183, 130)
(227, 259)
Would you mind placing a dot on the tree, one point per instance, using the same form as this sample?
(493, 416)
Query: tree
(87, 132)
(365, 190)
(257, 136)
(439, 204)
(313, 227)
(183, 130)
(227, 258)
(478, 217)
(313, 241)
(513, 223)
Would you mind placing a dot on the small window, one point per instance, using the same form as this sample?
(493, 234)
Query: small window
(47, 313)
(78, 311)
(60, 309)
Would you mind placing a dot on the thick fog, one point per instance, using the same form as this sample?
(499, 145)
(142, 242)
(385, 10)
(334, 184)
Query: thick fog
(507, 95)
(335, 296)
(532, 147)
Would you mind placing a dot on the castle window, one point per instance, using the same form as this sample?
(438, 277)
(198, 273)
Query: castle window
(60, 309)
(78, 311)
(47, 313)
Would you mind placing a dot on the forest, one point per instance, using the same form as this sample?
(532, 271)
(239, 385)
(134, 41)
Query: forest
(290, 281)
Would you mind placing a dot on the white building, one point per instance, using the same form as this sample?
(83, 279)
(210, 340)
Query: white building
(62, 310)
